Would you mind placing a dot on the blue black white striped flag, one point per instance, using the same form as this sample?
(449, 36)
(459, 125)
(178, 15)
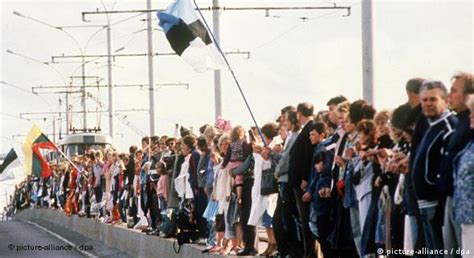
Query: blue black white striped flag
(10, 162)
(189, 37)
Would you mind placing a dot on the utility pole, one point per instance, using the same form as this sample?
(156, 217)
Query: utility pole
(367, 52)
(217, 73)
(54, 129)
(109, 75)
(150, 68)
(67, 113)
(60, 119)
(83, 70)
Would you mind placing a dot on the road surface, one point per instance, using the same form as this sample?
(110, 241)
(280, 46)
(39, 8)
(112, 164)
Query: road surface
(31, 238)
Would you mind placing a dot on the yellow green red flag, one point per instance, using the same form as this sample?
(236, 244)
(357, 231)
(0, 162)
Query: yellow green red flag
(35, 164)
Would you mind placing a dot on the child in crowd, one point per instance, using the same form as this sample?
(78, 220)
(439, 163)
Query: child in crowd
(382, 136)
(162, 187)
(238, 151)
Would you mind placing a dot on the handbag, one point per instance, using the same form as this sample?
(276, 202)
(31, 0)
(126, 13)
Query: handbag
(187, 231)
(269, 184)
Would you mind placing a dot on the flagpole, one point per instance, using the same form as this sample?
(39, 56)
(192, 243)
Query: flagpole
(64, 155)
(67, 158)
(231, 71)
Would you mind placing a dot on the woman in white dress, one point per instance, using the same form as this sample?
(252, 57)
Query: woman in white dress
(263, 206)
(108, 181)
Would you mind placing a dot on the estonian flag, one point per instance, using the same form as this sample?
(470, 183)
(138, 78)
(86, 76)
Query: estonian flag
(188, 37)
(10, 162)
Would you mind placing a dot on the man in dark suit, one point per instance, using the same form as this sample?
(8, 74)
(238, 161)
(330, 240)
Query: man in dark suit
(130, 175)
(298, 173)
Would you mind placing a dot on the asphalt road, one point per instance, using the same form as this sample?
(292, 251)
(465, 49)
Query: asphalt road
(43, 239)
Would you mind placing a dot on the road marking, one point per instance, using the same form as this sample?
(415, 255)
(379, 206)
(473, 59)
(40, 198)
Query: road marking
(60, 238)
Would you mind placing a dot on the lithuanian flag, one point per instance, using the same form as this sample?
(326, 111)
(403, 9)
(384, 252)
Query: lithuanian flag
(35, 163)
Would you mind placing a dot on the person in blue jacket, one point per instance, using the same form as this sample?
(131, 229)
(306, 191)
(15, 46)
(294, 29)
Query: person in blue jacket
(462, 86)
(320, 177)
(427, 162)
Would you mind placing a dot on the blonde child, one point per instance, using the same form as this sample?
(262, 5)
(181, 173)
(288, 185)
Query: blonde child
(162, 188)
(238, 151)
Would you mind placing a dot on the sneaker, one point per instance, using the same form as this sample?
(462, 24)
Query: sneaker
(235, 250)
(153, 232)
(201, 241)
(207, 249)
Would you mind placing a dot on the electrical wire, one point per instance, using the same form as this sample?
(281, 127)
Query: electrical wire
(99, 43)
(10, 140)
(293, 28)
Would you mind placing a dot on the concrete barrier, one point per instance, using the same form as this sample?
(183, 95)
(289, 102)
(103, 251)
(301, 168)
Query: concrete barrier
(130, 241)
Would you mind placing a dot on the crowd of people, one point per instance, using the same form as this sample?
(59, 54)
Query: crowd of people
(349, 181)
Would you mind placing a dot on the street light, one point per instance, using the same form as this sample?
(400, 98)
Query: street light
(14, 86)
(30, 92)
(43, 98)
(35, 20)
(27, 57)
(57, 72)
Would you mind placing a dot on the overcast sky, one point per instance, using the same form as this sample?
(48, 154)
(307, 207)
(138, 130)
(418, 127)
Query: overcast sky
(291, 61)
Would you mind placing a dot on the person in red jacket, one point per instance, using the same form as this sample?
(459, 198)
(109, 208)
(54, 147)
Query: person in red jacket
(71, 202)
